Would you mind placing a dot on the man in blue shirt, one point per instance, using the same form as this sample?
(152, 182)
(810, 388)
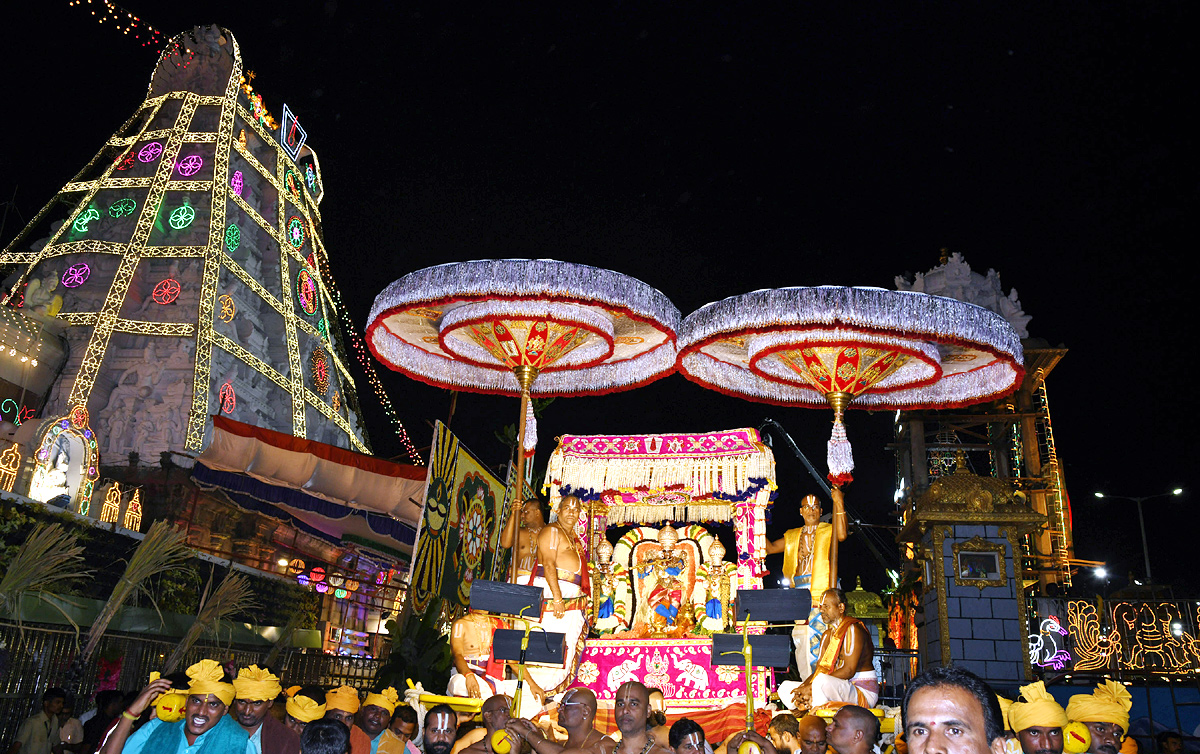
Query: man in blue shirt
(205, 728)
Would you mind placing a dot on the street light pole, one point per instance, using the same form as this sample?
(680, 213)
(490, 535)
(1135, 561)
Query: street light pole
(1142, 521)
(1145, 546)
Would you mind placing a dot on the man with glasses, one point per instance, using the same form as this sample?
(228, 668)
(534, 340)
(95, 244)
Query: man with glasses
(577, 715)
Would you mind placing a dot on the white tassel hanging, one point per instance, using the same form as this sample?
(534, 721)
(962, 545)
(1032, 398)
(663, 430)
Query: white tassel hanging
(839, 455)
(530, 428)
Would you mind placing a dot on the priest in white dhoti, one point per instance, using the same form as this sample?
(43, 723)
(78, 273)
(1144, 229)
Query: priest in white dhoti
(845, 671)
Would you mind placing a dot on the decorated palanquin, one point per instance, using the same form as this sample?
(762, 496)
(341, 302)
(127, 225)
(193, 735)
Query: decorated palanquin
(665, 585)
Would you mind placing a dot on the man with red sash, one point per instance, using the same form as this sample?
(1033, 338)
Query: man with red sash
(844, 672)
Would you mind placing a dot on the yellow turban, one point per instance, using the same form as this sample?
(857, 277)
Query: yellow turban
(1005, 706)
(1109, 703)
(256, 684)
(1039, 709)
(388, 699)
(206, 679)
(343, 698)
(303, 708)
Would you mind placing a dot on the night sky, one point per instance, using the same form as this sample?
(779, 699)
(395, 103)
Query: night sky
(713, 149)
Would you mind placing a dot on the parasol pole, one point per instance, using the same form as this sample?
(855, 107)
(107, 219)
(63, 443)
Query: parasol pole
(525, 375)
(838, 401)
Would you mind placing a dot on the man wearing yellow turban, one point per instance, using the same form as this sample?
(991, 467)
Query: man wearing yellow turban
(342, 704)
(1105, 712)
(374, 717)
(304, 704)
(255, 690)
(205, 728)
(1038, 720)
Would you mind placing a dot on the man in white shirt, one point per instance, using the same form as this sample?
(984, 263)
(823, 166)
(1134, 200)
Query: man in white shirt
(39, 734)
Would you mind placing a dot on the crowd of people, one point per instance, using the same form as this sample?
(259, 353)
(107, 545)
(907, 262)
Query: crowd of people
(205, 711)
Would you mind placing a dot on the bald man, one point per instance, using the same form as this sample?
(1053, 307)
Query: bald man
(576, 715)
(496, 713)
(632, 710)
(853, 730)
(813, 736)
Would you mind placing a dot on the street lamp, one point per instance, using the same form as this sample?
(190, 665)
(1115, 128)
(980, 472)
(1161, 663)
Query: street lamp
(1142, 521)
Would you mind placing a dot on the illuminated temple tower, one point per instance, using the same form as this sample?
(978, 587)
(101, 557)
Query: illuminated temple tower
(186, 263)
(1011, 439)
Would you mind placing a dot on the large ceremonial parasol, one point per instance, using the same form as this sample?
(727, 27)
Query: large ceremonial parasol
(524, 327)
(850, 348)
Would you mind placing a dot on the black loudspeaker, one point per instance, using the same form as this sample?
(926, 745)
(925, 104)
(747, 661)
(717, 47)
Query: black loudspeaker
(546, 647)
(767, 650)
(772, 605)
(503, 598)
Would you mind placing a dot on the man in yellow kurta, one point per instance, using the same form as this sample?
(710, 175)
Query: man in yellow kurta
(1105, 712)
(1038, 720)
(806, 563)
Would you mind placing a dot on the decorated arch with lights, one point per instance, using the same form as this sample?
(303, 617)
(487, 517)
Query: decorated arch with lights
(67, 460)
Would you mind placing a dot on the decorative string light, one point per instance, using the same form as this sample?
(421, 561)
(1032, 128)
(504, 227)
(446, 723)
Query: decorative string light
(123, 20)
(166, 291)
(233, 237)
(228, 307)
(85, 217)
(295, 232)
(320, 371)
(76, 275)
(122, 207)
(181, 217)
(111, 510)
(228, 398)
(306, 292)
(368, 367)
(10, 463)
(133, 513)
(150, 152)
(190, 165)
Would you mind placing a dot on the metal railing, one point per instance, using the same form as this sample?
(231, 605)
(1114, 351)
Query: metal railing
(39, 657)
(896, 668)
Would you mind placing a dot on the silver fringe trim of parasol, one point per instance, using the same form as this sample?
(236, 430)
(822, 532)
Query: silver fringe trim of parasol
(534, 278)
(901, 312)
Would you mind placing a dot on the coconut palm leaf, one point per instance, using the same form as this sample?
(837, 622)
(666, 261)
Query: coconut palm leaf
(45, 565)
(285, 637)
(233, 595)
(163, 549)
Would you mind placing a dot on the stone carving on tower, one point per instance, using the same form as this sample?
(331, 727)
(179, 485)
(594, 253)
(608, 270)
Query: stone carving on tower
(954, 278)
(187, 263)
